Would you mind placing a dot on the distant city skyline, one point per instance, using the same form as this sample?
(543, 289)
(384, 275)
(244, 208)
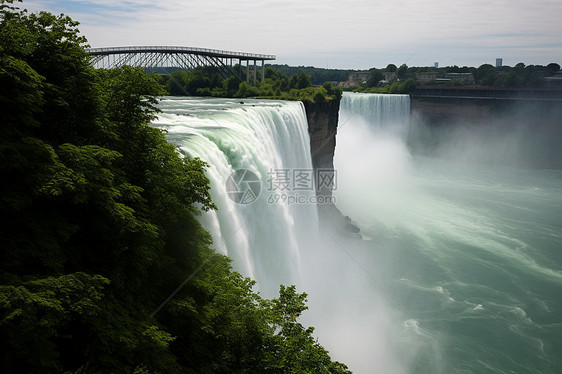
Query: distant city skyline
(357, 34)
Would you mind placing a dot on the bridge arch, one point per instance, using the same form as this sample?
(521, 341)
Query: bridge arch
(181, 57)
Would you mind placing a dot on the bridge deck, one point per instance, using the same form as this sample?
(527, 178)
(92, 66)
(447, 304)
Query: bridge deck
(174, 49)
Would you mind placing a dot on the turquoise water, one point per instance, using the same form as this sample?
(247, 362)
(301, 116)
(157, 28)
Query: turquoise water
(475, 258)
(473, 253)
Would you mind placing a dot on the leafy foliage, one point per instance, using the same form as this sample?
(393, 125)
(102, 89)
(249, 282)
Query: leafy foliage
(276, 85)
(318, 76)
(102, 228)
(396, 87)
(518, 76)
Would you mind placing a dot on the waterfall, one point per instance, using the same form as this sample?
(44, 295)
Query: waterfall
(372, 157)
(277, 239)
(466, 245)
(388, 114)
(263, 234)
(374, 188)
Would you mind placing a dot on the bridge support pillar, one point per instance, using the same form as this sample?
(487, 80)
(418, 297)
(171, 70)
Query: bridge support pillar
(239, 67)
(255, 73)
(262, 70)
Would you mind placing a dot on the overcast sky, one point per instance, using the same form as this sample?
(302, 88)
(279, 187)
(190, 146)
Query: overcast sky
(355, 34)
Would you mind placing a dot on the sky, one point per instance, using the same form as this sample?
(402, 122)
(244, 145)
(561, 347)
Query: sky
(353, 34)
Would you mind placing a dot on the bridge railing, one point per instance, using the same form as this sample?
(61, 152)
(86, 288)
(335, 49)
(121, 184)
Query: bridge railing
(216, 52)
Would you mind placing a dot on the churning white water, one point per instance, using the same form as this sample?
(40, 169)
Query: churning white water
(277, 239)
(470, 249)
(459, 269)
(270, 139)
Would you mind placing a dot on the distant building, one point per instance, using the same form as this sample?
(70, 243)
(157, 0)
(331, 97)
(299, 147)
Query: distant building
(436, 78)
(463, 77)
(389, 77)
(499, 62)
(355, 79)
(426, 76)
(436, 65)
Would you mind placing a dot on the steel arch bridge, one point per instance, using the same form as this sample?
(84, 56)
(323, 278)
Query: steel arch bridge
(181, 57)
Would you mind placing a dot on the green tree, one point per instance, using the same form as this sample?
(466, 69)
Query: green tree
(374, 78)
(231, 85)
(176, 83)
(486, 75)
(91, 189)
(391, 68)
(511, 80)
(408, 86)
(303, 80)
(38, 316)
(552, 68)
(299, 352)
(103, 226)
(246, 90)
(401, 72)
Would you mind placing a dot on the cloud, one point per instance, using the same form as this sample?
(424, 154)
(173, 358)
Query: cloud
(354, 33)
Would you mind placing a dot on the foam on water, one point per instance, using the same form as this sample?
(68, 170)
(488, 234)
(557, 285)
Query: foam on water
(472, 251)
(461, 272)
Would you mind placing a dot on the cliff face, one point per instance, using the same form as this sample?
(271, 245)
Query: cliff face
(322, 127)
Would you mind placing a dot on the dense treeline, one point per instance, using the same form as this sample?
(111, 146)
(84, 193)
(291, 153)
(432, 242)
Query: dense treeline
(100, 228)
(392, 79)
(276, 85)
(318, 76)
(507, 76)
(486, 75)
(305, 83)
